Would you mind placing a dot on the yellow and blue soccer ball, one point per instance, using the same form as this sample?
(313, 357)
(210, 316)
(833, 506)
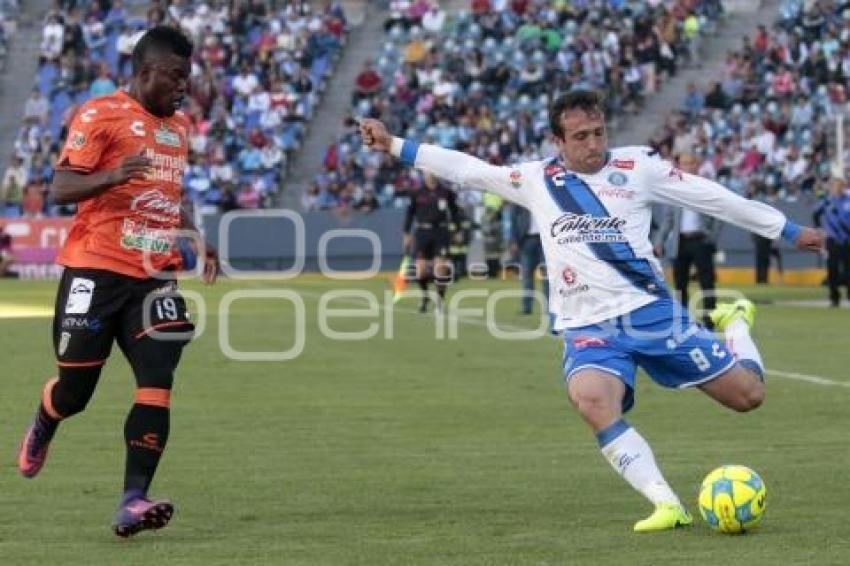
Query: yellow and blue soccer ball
(731, 499)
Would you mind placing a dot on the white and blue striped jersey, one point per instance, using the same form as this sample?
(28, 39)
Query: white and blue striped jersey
(595, 228)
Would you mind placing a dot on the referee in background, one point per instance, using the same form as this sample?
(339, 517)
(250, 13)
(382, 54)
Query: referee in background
(833, 214)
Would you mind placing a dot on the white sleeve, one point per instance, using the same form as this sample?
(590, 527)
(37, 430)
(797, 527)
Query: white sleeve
(462, 169)
(670, 185)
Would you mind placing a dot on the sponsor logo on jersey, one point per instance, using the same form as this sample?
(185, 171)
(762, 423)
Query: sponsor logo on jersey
(164, 136)
(624, 164)
(617, 179)
(165, 167)
(573, 228)
(570, 279)
(138, 236)
(611, 192)
(79, 296)
(81, 323)
(589, 342)
(516, 179)
(154, 204)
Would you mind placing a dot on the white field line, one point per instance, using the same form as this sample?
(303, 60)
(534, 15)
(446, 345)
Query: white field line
(806, 378)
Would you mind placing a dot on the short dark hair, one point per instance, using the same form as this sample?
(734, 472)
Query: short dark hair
(582, 99)
(161, 39)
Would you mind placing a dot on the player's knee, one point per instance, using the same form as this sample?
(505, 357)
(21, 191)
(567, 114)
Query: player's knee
(71, 393)
(69, 398)
(750, 398)
(593, 404)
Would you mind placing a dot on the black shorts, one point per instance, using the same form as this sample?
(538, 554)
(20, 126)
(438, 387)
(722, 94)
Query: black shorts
(430, 243)
(95, 307)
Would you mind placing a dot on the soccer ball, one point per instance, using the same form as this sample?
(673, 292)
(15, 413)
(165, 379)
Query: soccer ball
(731, 499)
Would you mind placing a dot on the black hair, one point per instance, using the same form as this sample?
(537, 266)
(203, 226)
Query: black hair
(582, 99)
(161, 39)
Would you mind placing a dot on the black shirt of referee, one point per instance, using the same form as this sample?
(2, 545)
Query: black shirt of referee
(434, 208)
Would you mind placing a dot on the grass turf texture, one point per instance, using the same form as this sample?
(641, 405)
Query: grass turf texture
(418, 451)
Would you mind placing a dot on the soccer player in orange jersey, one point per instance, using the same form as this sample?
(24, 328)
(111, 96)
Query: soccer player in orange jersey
(123, 164)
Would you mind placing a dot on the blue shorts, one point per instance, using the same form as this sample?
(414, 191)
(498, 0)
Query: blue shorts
(660, 337)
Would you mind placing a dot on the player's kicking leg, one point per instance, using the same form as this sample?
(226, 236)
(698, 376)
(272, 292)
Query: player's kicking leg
(742, 387)
(598, 395)
(82, 338)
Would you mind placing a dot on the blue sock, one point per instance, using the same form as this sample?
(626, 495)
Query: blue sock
(613, 432)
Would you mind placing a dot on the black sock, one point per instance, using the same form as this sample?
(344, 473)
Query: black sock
(146, 432)
(423, 284)
(45, 425)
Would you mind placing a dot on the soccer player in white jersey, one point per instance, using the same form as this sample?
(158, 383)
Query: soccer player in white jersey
(593, 205)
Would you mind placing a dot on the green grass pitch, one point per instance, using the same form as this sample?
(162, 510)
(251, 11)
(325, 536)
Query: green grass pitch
(413, 450)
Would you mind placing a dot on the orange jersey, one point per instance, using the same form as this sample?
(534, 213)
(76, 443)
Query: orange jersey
(118, 228)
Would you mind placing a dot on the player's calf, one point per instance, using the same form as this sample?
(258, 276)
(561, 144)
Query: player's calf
(740, 389)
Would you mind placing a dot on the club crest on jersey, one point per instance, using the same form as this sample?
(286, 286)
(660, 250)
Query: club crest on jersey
(551, 169)
(78, 140)
(164, 136)
(617, 179)
(516, 178)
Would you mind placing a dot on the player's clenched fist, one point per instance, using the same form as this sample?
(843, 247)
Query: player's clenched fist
(811, 239)
(375, 134)
(133, 167)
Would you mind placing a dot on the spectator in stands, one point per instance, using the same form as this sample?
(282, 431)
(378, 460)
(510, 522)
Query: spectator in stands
(716, 99)
(434, 19)
(52, 38)
(691, 29)
(103, 84)
(367, 84)
(245, 83)
(694, 101)
(249, 197)
(37, 107)
(6, 257)
(12, 188)
(368, 202)
(33, 200)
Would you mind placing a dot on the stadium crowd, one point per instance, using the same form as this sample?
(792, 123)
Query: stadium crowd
(764, 128)
(257, 74)
(481, 81)
(8, 25)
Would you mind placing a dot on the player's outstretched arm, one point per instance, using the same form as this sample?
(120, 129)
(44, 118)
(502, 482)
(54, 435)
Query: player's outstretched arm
(71, 186)
(672, 186)
(453, 166)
